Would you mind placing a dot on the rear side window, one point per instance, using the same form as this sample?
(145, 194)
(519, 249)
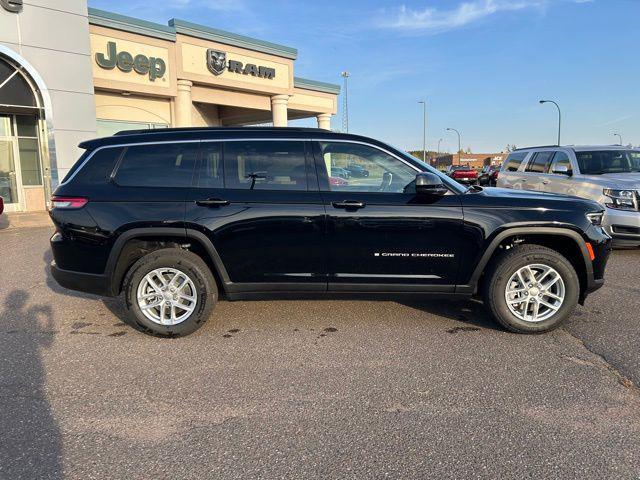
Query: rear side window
(99, 167)
(540, 162)
(514, 160)
(264, 165)
(210, 166)
(158, 165)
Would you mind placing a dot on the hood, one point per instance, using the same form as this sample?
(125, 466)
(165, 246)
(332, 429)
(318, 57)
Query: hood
(528, 198)
(622, 181)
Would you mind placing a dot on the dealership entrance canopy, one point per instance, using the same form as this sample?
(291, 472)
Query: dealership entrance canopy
(86, 73)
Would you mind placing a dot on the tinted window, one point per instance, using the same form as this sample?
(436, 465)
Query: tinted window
(210, 166)
(99, 168)
(160, 165)
(265, 165)
(608, 161)
(514, 160)
(371, 170)
(561, 159)
(540, 162)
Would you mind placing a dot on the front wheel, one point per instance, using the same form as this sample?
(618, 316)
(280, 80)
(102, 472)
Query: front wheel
(170, 292)
(531, 289)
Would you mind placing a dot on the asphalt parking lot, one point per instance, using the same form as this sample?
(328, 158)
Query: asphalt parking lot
(323, 389)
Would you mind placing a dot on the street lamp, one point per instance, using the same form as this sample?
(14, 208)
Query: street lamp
(559, 116)
(619, 136)
(345, 104)
(424, 130)
(459, 143)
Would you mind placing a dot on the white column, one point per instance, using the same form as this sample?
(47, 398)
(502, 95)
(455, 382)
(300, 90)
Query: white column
(279, 110)
(324, 121)
(183, 104)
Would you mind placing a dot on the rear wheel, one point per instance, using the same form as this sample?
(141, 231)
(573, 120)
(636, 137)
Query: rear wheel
(170, 292)
(531, 289)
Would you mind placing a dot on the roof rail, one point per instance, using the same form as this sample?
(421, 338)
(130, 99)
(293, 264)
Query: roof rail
(217, 129)
(537, 146)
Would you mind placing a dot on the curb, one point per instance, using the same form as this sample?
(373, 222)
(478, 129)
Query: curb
(9, 221)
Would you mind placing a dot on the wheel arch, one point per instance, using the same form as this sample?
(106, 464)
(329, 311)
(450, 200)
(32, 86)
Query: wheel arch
(567, 242)
(133, 244)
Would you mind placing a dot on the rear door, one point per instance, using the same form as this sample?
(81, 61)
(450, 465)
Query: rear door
(536, 171)
(380, 235)
(258, 203)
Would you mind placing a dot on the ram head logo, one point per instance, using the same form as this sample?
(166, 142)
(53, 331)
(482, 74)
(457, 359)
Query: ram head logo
(216, 61)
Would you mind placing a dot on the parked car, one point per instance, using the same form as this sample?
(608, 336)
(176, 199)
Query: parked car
(609, 175)
(463, 174)
(340, 172)
(1, 205)
(175, 219)
(489, 175)
(338, 181)
(357, 171)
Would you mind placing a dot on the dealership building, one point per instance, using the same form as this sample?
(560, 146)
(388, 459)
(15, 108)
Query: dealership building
(69, 73)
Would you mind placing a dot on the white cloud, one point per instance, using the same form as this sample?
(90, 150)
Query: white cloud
(434, 20)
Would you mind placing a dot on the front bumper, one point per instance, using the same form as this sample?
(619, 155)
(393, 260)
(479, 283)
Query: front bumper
(623, 226)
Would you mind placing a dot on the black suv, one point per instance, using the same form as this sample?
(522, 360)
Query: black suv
(173, 219)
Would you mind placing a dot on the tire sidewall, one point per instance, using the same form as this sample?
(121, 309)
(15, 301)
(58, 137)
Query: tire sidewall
(510, 266)
(198, 273)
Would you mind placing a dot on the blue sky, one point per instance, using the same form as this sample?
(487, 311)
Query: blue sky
(482, 65)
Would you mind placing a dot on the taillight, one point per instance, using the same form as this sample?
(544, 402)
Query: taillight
(68, 202)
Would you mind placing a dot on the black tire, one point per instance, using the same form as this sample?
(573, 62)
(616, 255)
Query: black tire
(186, 262)
(509, 262)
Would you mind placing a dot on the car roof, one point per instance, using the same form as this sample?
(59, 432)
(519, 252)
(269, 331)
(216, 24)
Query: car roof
(220, 133)
(576, 148)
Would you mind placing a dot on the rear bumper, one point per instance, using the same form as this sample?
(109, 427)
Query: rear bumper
(82, 282)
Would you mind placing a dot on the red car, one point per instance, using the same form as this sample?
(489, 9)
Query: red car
(1, 205)
(463, 174)
(337, 181)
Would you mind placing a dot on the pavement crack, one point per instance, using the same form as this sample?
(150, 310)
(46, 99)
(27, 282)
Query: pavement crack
(604, 362)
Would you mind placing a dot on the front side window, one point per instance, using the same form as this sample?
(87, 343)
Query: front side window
(608, 161)
(540, 162)
(560, 159)
(368, 169)
(265, 165)
(210, 169)
(157, 165)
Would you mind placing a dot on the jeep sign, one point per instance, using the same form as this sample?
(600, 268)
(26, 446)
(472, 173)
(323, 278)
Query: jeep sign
(141, 64)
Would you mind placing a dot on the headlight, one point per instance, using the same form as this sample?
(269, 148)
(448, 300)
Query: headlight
(595, 218)
(621, 199)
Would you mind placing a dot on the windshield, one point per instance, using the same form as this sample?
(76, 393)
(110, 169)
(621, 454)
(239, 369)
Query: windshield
(608, 161)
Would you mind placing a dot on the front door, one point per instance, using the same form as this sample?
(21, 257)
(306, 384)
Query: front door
(381, 236)
(258, 203)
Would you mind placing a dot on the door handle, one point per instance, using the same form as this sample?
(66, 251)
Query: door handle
(349, 204)
(212, 202)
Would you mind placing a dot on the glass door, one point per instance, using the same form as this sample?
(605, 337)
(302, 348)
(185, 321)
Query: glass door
(9, 173)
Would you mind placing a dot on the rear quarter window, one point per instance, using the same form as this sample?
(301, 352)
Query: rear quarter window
(99, 167)
(513, 161)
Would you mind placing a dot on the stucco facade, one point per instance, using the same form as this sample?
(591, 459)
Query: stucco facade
(93, 73)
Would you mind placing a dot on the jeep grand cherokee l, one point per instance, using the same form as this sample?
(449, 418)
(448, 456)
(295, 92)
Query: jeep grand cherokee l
(174, 219)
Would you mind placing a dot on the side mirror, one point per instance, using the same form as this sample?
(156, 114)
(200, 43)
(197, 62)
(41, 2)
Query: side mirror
(430, 184)
(561, 170)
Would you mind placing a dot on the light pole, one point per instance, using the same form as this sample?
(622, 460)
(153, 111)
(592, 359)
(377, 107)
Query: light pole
(559, 116)
(459, 142)
(619, 136)
(345, 104)
(438, 156)
(424, 130)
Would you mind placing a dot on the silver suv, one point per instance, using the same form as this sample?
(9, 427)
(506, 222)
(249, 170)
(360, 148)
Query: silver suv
(609, 175)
